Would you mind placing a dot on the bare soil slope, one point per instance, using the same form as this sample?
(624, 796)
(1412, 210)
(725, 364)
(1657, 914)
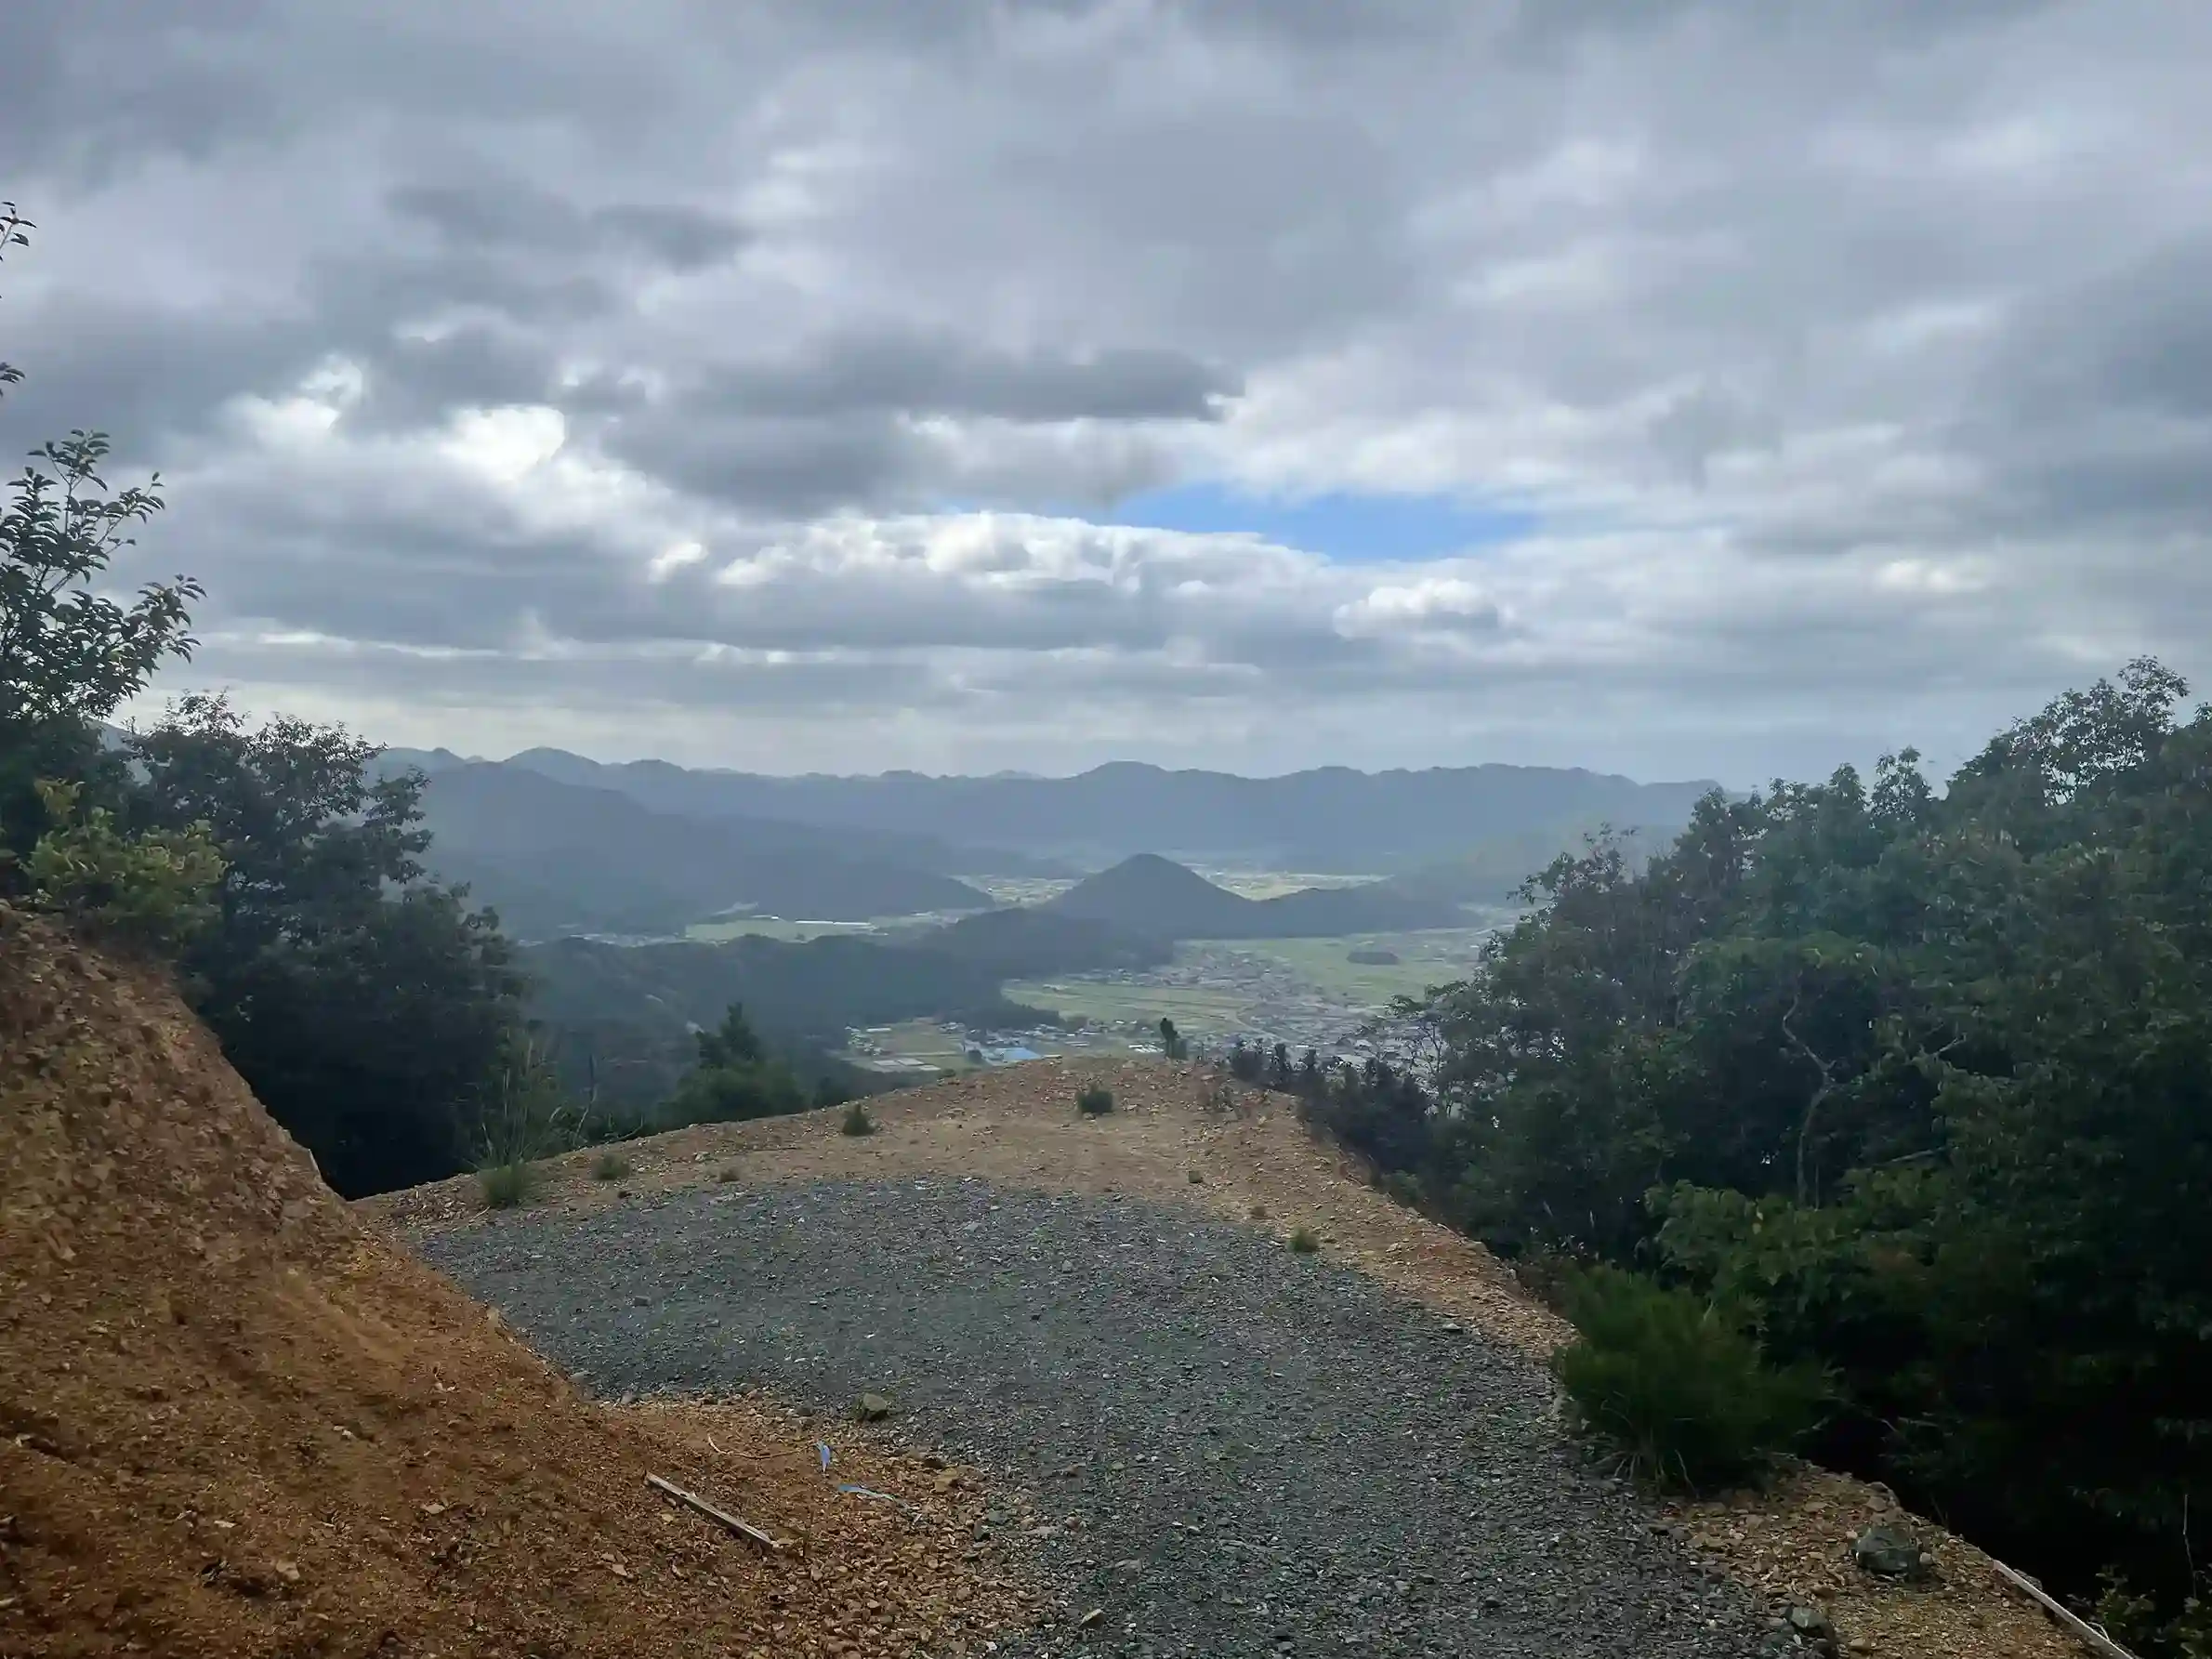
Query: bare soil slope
(236, 1421)
(1171, 1139)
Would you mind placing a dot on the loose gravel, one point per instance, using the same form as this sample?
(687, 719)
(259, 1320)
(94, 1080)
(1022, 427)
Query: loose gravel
(1234, 1448)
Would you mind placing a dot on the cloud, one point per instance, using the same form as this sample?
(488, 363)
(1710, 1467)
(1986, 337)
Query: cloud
(757, 384)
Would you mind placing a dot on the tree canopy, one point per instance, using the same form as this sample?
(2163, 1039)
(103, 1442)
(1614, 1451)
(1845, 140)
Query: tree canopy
(1920, 1085)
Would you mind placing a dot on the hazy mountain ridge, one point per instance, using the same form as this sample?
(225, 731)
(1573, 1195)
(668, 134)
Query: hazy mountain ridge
(1329, 819)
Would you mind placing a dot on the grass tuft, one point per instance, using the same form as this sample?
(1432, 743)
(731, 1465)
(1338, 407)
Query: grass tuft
(1305, 1241)
(610, 1165)
(856, 1120)
(1094, 1102)
(506, 1185)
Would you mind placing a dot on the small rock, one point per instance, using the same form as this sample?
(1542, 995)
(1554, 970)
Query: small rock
(1888, 1550)
(287, 1571)
(1090, 1618)
(873, 1408)
(1810, 1623)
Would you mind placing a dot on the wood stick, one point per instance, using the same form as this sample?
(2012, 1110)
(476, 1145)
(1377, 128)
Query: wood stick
(2097, 1639)
(690, 1500)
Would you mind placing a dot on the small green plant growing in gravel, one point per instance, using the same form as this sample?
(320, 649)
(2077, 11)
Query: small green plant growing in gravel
(1094, 1102)
(609, 1165)
(506, 1185)
(1198, 1178)
(726, 1174)
(1676, 1392)
(856, 1120)
(1259, 1212)
(1304, 1241)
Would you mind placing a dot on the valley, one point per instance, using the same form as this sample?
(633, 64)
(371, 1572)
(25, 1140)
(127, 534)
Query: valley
(1305, 993)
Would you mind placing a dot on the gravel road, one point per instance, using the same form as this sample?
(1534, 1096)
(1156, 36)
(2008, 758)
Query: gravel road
(1236, 1450)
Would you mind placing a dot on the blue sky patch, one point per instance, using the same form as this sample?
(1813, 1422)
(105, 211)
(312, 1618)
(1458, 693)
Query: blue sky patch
(1351, 528)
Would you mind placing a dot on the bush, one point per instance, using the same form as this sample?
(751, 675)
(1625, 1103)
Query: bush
(1094, 1102)
(1680, 1394)
(152, 889)
(856, 1120)
(610, 1165)
(506, 1185)
(1304, 1241)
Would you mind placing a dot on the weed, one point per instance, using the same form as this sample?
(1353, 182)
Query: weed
(506, 1185)
(856, 1120)
(1198, 1178)
(1681, 1395)
(1305, 1241)
(610, 1165)
(1258, 1212)
(726, 1174)
(1094, 1102)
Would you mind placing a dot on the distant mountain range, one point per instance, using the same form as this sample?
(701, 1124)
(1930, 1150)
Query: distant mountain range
(1151, 897)
(1329, 820)
(555, 859)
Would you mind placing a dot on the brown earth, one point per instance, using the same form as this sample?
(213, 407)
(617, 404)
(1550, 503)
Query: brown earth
(1256, 1163)
(236, 1421)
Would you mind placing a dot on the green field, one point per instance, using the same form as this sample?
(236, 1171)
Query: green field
(1274, 884)
(1194, 1008)
(770, 927)
(1434, 956)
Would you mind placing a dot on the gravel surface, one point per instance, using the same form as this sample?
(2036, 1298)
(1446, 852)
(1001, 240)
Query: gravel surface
(1235, 1449)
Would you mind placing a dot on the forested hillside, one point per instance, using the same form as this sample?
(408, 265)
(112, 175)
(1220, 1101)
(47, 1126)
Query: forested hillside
(1918, 1087)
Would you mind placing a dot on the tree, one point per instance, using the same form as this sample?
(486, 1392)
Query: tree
(1921, 1086)
(735, 1079)
(69, 654)
(365, 1005)
(1171, 1040)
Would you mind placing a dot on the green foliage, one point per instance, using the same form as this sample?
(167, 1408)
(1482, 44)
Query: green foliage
(856, 1120)
(1304, 1241)
(735, 1079)
(369, 1008)
(506, 1185)
(147, 889)
(523, 1113)
(69, 654)
(1094, 1100)
(1918, 1083)
(610, 1165)
(1678, 1394)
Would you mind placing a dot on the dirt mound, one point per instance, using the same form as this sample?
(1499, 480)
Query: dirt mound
(234, 1421)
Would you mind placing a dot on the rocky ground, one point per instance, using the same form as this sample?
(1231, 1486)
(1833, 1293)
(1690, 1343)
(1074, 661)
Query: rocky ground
(1234, 1448)
(1240, 1167)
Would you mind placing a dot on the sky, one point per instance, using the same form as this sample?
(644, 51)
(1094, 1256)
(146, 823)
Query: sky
(1690, 390)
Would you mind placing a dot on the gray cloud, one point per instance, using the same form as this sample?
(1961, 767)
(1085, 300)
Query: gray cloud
(645, 373)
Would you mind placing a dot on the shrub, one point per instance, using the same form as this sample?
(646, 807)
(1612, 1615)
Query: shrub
(1678, 1393)
(506, 1185)
(856, 1120)
(1305, 1241)
(610, 1165)
(151, 888)
(1094, 1102)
